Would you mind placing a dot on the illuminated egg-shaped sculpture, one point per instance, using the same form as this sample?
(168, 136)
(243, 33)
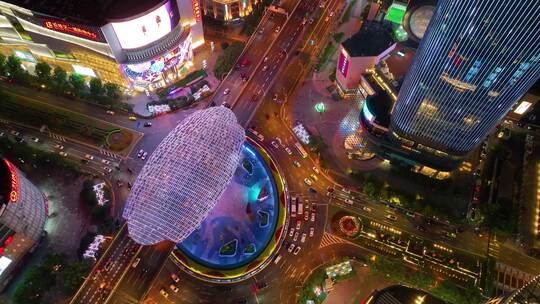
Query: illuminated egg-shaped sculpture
(184, 177)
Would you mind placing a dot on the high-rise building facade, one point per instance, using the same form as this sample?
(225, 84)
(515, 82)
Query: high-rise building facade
(228, 10)
(23, 211)
(476, 59)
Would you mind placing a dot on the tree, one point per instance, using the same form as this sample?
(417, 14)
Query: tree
(13, 67)
(74, 275)
(225, 61)
(3, 65)
(43, 72)
(370, 190)
(60, 79)
(112, 91)
(96, 88)
(224, 45)
(77, 84)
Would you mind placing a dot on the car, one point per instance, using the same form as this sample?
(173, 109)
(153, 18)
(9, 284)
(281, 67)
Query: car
(62, 153)
(2, 134)
(313, 217)
(261, 31)
(107, 169)
(147, 124)
(132, 118)
(277, 29)
(15, 133)
(88, 156)
(330, 189)
(226, 91)
(306, 215)
(175, 278)
(275, 144)
(345, 190)
(295, 237)
(226, 105)
(297, 250)
(312, 190)
(141, 152)
(173, 288)
(291, 232)
(59, 147)
(106, 162)
(288, 150)
(391, 217)
(421, 228)
(84, 161)
(261, 285)
(19, 139)
(278, 258)
(265, 68)
(316, 170)
(136, 262)
(366, 209)
(331, 14)
(279, 141)
(314, 177)
(349, 201)
(330, 194)
(451, 235)
(327, 18)
(303, 238)
(308, 182)
(143, 157)
(291, 247)
(298, 224)
(110, 112)
(164, 293)
(311, 231)
(34, 139)
(296, 164)
(265, 59)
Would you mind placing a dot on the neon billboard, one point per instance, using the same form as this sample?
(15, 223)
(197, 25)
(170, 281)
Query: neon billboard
(196, 10)
(14, 192)
(343, 63)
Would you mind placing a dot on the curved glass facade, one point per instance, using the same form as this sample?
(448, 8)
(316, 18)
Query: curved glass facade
(475, 61)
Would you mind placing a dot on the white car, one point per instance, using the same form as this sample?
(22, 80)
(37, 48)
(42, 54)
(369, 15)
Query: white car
(306, 215)
(107, 169)
(291, 247)
(279, 140)
(291, 232)
(275, 144)
(297, 250)
(348, 201)
(265, 68)
(366, 209)
(143, 157)
(296, 164)
(303, 238)
(136, 262)
(308, 182)
(140, 153)
(295, 238)
(88, 156)
(35, 139)
(106, 162)
(173, 288)
(316, 170)
(391, 217)
(311, 231)
(278, 29)
(226, 91)
(15, 133)
(59, 147)
(175, 278)
(288, 150)
(298, 224)
(110, 112)
(313, 216)
(64, 154)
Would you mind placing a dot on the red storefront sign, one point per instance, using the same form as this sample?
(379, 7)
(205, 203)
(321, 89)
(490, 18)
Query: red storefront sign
(196, 10)
(64, 27)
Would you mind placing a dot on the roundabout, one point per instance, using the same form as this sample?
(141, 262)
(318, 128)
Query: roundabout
(242, 232)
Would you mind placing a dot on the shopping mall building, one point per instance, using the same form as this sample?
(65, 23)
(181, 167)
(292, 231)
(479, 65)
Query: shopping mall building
(23, 211)
(136, 44)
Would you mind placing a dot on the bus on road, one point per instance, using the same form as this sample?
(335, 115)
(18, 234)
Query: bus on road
(300, 150)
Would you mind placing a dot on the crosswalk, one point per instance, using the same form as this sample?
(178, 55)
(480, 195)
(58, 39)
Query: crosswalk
(57, 137)
(109, 153)
(330, 239)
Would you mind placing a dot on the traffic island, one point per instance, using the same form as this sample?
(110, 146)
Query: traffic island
(241, 234)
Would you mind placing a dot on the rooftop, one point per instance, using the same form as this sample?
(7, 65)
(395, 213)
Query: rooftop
(89, 12)
(371, 40)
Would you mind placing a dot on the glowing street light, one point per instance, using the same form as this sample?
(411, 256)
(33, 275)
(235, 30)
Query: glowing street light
(320, 107)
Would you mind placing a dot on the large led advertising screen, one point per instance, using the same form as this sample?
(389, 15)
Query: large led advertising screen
(143, 30)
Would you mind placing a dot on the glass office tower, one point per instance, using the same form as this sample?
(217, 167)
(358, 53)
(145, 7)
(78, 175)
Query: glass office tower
(475, 61)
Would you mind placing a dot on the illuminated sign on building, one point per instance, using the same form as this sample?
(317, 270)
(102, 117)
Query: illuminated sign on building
(343, 63)
(523, 107)
(196, 10)
(64, 27)
(14, 193)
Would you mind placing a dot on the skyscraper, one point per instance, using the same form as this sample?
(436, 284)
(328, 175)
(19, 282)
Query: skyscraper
(475, 61)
